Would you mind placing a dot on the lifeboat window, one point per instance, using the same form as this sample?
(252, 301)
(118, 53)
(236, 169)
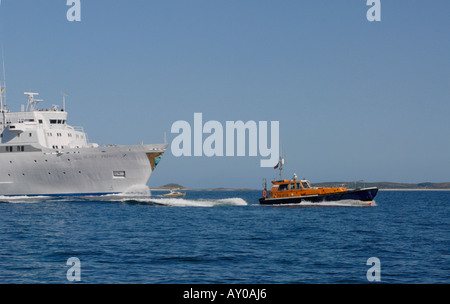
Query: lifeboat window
(283, 187)
(305, 185)
(299, 186)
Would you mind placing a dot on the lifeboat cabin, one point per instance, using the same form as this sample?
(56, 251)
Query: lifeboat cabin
(294, 188)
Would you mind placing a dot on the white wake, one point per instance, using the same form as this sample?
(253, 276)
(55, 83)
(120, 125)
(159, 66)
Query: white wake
(183, 202)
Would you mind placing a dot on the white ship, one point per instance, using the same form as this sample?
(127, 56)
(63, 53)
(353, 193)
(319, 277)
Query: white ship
(40, 154)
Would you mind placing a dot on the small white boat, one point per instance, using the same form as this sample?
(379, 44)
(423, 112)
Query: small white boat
(174, 193)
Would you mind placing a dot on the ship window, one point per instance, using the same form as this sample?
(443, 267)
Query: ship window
(53, 121)
(30, 134)
(298, 186)
(40, 121)
(283, 187)
(305, 185)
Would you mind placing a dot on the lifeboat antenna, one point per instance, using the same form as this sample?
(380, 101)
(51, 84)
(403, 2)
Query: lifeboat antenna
(280, 163)
(280, 166)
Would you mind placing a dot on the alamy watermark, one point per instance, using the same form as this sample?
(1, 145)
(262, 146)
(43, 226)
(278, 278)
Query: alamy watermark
(374, 272)
(74, 272)
(374, 12)
(74, 12)
(216, 145)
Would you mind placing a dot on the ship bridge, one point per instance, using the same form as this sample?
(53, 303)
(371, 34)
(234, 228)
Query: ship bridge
(43, 127)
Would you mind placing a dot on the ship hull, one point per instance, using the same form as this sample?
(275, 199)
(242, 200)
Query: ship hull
(77, 172)
(364, 194)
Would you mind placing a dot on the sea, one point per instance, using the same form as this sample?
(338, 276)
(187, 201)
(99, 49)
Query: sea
(225, 237)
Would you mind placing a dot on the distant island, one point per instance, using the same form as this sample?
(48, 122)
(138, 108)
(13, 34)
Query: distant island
(387, 185)
(173, 186)
(356, 184)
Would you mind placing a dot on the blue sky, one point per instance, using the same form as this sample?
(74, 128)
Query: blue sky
(356, 100)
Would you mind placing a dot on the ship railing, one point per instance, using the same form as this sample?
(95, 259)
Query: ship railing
(81, 129)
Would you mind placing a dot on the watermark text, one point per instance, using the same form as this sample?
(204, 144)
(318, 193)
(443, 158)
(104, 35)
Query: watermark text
(74, 12)
(374, 272)
(74, 272)
(374, 12)
(235, 139)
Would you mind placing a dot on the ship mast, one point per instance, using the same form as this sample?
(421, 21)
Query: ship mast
(2, 111)
(64, 101)
(3, 94)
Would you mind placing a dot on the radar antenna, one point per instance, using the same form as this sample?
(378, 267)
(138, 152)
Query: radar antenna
(31, 105)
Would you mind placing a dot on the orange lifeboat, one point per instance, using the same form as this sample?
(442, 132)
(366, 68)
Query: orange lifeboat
(295, 191)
